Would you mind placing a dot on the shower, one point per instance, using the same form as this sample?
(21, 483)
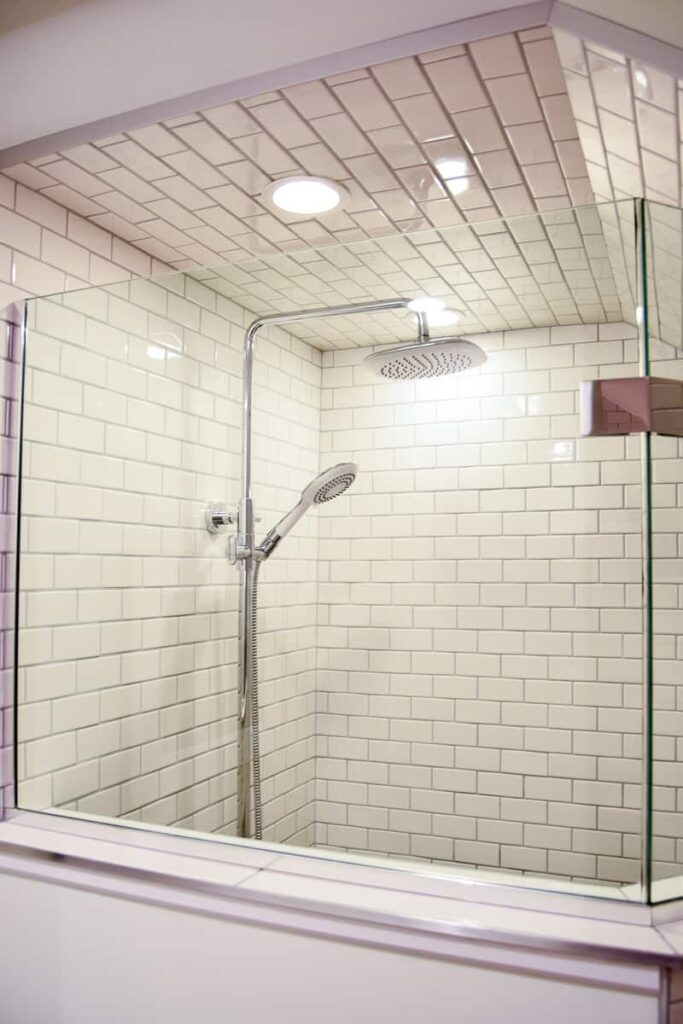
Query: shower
(325, 487)
(421, 359)
(439, 357)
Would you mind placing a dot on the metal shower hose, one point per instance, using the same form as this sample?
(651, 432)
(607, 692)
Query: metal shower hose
(254, 709)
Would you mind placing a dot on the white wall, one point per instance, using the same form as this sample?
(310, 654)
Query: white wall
(122, 331)
(43, 248)
(480, 677)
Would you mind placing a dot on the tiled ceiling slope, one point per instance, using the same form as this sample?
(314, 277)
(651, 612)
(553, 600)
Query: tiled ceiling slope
(630, 122)
(188, 190)
(529, 271)
(533, 132)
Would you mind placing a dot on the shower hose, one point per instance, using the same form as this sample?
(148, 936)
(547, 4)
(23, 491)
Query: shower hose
(254, 709)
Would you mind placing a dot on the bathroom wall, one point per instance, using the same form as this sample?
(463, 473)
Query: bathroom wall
(667, 575)
(44, 247)
(481, 614)
(544, 727)
(132, 422)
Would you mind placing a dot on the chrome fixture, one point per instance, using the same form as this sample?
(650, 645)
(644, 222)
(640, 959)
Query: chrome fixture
(216, 515)
(325, 487)
(426, 358)
(249, 557)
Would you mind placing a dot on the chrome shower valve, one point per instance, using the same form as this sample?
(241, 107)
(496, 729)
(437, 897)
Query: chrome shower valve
(216, 515)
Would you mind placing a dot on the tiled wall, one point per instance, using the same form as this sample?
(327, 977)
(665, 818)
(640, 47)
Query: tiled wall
(43, 247)
(128, 650)
(667, 574)
(478, 672)
(9, 387)
(481, 618)
(47, 248)
(628, 118)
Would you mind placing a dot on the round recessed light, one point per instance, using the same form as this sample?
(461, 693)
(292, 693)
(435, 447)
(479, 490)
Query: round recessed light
(443, 317)
(306, 195)
(426, 304)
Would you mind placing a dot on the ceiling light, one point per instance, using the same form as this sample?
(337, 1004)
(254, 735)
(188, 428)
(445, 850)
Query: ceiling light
(443, 317)
(451, 168)
(457, 185)
(306, 195)
(426, 304)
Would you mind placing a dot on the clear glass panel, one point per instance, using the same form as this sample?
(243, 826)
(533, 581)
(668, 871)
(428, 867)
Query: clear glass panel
(450, 653)
(665, 294)
(128, 619)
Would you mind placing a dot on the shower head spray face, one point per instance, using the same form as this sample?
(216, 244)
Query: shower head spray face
(330, 483)
(439, 357)
(325, 487)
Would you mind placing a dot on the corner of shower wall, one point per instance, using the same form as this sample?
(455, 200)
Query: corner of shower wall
(127, 676)
(10, 393)
(286, 455)
(482, 641)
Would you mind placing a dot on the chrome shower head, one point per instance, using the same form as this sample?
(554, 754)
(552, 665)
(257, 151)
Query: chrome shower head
(437, 357)
(325, 487)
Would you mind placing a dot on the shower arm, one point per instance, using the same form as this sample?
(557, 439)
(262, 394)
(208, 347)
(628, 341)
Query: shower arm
(246, 516)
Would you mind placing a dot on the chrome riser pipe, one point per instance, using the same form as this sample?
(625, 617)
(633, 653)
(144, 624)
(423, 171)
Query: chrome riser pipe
(246, 542)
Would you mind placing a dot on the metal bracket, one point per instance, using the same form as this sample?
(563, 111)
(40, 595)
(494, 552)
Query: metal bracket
(216, 515)
(236, 552)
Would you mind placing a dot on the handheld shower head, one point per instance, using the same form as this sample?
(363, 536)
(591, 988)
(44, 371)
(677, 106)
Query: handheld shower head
(325, 487)
(437, 357)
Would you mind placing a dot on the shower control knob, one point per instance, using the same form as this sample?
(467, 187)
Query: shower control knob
(217, 515)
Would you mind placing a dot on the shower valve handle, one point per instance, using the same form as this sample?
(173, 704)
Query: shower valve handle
(216, 515)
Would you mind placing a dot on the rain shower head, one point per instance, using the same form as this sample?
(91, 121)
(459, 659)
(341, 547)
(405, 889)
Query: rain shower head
(325, 487)
(437, 357)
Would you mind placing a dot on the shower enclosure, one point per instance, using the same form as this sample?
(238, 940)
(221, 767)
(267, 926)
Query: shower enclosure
(468, 659)
(424, 358)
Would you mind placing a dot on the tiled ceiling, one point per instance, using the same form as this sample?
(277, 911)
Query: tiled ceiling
(188, 190)
(530, 271)
(532, 123)
(630, 122)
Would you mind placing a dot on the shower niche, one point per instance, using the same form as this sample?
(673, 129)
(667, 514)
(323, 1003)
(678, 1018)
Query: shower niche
(465, 661)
